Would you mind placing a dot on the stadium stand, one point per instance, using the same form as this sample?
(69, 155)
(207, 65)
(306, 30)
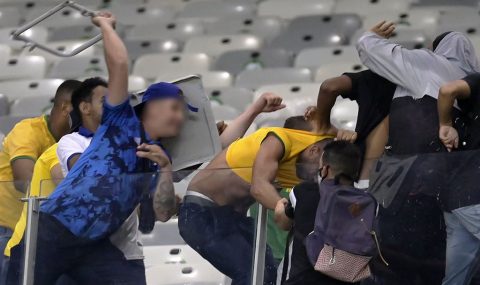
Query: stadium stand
(241, 49)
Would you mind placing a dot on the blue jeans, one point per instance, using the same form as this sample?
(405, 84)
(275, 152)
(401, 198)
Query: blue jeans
(5, 235)
(61, 253)
(463, 245)
(225, 238)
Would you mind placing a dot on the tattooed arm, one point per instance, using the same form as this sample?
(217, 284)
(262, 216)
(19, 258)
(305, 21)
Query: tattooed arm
(164, 201)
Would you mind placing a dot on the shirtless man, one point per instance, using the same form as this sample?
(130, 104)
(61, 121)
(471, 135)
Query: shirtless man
(212, 218)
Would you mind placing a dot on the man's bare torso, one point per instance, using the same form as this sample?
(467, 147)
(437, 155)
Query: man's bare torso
(218, 182)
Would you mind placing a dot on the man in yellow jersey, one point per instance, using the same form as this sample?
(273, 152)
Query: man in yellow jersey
(212, 218)
(21, 148)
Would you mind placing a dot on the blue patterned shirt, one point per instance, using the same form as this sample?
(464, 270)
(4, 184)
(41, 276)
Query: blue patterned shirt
(106, 183)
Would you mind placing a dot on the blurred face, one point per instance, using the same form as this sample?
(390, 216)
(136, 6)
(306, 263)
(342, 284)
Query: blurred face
(308, 163)
(164, 118)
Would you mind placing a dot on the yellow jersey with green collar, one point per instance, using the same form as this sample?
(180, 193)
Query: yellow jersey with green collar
(28, 139)
(242, 153)
(42, 185)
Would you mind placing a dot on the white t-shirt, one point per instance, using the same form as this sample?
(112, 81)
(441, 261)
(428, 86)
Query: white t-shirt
(127, 237)
(68, 146)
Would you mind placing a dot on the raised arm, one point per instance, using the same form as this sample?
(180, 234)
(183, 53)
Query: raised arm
(399, 65)
(116, 57)
(268, 102)
(327, 96)
(458, 89)
(265, 171)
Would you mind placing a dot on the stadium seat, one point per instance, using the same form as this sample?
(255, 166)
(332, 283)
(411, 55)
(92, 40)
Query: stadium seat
(371, 7)
(163, 234)
(4, 106)
(224, 112)
(31, 106)
(462, 20)
(63, 46)
(210, 79)
(445, 3)
(215, 9)
(131, 15)
(239, 60)
(344, 114)
(254, 79)
(316, 57)
(287, 10)
(238, 98)
(263, 27)
(336, 69)
(8, 122)
(79, 66)
(17, 89)
(173, 265)
(139, 48)
(216, 45)
(305, 33)
(345, 24)
(9, 17)
(37, 33)
(179, 30)
(136, 83)
(150, 65)
(22, 67)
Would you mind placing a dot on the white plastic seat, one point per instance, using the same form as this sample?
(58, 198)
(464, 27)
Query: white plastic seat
(179, 30)
(216, 45)
(212, 10)
(287, 10)
(131, 15)
(31, 106)
(17, 89)
(224, 112)
(344, 114)
(136, 83)
(294, 40)
(9, 17)
(80, 66)
(461, 20)
(254, 79)
(264, 27)
(316, 57)
(37, 33)
(150, 65)
(336, 69)
(22, 67)
(368, 7)
(210, 79)
(238, 98)
(163, 234)
(137, 48)
(63, 46)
